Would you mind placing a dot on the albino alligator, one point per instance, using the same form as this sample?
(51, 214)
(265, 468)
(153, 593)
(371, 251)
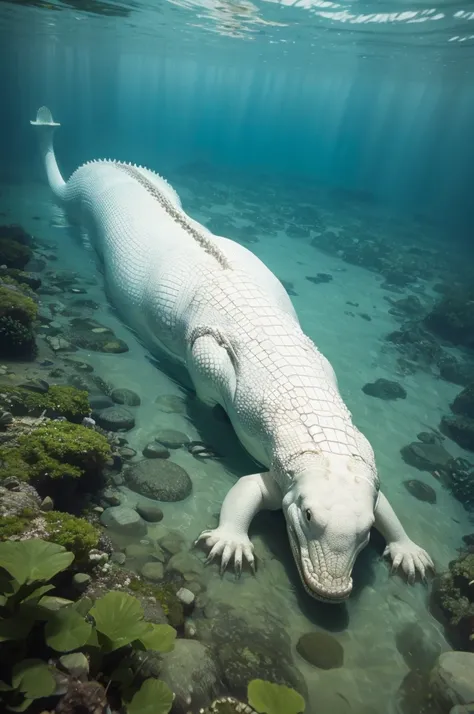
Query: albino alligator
(216, 308)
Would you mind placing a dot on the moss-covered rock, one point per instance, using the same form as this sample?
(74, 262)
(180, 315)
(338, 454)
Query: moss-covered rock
(64, 401)
(452, 318)
(17, 314)
(14, 254)
(54, 451)
(460, 429)
(75, 534)
(11, 526)
(165, 595)
(455, 596)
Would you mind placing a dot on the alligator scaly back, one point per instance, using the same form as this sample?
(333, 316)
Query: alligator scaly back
(178, 215)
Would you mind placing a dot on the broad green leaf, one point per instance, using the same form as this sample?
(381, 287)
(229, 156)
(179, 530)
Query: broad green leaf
(153, 697)
(66, 630)
(84, 605)
(268, 698)
(3, 600)
(16, 628)
(4, 687)
(119, 617)
(20, 707)
(33, 560)
(51, 603)
(37, 593)
(33, 678)
(159, 638)
(93, 640)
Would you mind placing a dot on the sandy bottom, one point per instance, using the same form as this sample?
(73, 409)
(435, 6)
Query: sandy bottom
(382, 606)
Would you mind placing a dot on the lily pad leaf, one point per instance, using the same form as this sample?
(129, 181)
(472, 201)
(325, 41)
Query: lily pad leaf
(120, 618)
(269, 698)
(33, 678)
(66, 630)
(153, 697)
(37, 593)
(33, 560)
(159, 638)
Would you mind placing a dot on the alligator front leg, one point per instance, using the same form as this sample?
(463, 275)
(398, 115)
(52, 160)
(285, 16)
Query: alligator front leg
(400, 548)
(245, 499)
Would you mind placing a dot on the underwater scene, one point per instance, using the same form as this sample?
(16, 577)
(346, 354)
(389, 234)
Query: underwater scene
(236, 357)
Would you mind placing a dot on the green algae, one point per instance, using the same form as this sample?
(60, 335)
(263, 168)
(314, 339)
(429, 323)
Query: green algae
(69, 402)
(54, 451)
(165, 595)
(75, 534)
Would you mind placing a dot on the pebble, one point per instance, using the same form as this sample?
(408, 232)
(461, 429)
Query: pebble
(47, 504)
(115, 419)
(125, 396)
(171, 438)
(118, 558)
(153, 571)
(127, 452)
(151, 514)
(186, 598)
(155, 451)
(81, 581)
(123, 520)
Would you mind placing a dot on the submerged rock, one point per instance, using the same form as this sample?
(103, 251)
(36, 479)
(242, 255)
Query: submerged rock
(115, 419)
(171, 438)
(426, 456)
(192, 672)
(171, 404)
(153, 571)
(151, 514)
(155, 451)
(321, 650)
(319, 278)
(159, 479)
(384, 389)
(459, 429)
(123, 520)
(464, 402)
(451, 680)
(125, 396)
(420, 490)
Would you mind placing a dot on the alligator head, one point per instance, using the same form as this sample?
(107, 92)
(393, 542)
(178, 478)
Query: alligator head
(329, 510)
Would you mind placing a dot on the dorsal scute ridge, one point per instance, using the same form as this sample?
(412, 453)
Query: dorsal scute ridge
(176, 213)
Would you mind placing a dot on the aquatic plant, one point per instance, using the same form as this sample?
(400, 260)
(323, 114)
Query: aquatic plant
(65, 401)
(455, 596)
(15, 525)
(14, 254)
(17, 314)
(452, 318)
(269, 698)
(75, 534)
(165, 595)
(114, 622)
(53, 451)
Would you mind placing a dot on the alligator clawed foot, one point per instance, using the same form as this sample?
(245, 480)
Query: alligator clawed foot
(229, 545)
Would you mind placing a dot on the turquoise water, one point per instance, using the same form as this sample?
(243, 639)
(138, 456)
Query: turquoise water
(321, 136)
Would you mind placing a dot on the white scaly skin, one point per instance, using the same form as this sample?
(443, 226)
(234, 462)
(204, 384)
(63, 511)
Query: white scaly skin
(214, 306)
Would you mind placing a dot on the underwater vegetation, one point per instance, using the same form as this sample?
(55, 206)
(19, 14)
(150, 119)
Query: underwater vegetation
(34, 400)
(78, 650)
(454, 595)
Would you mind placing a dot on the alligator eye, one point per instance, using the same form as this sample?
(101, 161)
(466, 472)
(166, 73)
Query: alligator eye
(308, 514)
